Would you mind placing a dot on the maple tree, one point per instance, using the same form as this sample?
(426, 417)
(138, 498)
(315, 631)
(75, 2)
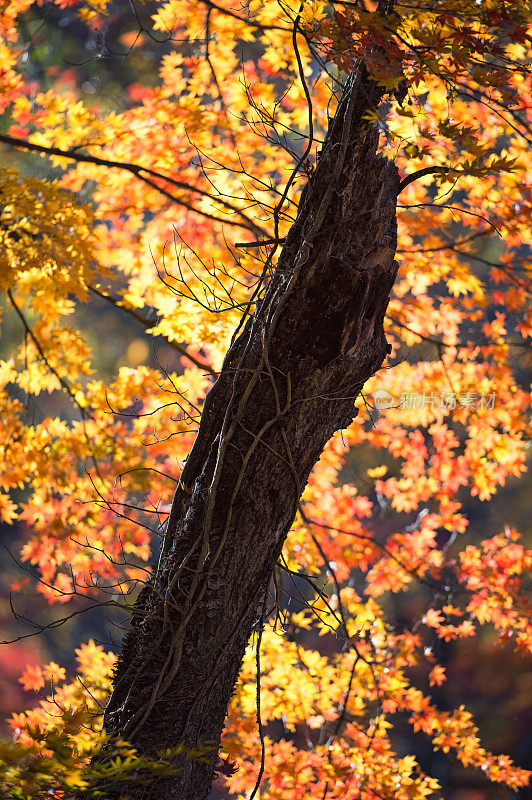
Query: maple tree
(245, 203)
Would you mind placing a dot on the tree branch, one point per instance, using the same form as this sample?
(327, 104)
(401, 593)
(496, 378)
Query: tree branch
(414, 176)
(137, 170)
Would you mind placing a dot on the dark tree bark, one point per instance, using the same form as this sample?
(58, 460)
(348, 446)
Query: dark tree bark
(289, 381)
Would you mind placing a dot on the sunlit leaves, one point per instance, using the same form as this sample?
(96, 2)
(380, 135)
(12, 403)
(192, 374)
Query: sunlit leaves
(52, 743)
(45, 236)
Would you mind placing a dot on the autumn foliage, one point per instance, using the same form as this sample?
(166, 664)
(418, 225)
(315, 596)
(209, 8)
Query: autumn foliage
(154, 202)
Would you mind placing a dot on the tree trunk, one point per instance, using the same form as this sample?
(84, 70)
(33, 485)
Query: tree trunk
(289, 381)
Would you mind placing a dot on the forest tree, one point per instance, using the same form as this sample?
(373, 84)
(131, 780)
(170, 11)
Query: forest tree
(290, 201)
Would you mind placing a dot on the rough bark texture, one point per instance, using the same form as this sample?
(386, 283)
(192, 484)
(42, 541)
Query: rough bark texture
(289, 381)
